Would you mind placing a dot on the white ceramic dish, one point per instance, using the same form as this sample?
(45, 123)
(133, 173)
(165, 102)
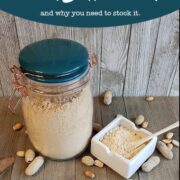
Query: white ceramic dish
(118, 163)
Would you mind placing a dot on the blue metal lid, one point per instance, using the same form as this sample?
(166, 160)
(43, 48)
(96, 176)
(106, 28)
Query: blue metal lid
(54, 60)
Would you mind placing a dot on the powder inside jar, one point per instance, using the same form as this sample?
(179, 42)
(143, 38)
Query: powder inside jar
(118, 140)
(59, 128)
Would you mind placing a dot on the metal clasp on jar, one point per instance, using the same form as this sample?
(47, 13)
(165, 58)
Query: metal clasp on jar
(20, 86)
(93, 60)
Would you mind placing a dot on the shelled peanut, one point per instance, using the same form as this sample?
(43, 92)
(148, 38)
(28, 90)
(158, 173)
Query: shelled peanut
(20, 153)
(87, 160)
(90, 174)
(98, 164)
(145, 124)
(17, 127)
(169, 141)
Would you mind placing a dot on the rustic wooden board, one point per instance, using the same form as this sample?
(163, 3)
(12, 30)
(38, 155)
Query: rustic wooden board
(1, 89)
(174, 105)
(8, 138)
(29, 32)
(175, 86)
(9, 49)
(115, 43)
(140, 57)
(166, 56)
(160, 113)
(91, 38)
(127, 63)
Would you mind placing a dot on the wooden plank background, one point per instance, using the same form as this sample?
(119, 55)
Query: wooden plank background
(134, 60)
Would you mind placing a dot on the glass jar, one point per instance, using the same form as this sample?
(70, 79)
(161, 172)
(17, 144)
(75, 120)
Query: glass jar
(58, 118)
(58, 108)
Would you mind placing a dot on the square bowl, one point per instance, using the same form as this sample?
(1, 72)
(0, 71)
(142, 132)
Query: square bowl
(124, 167)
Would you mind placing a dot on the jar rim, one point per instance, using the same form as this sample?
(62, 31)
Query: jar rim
(68, 78)
(57, 88)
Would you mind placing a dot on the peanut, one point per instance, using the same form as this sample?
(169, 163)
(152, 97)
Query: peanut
(29, 155)
(97, 127)
(169, 135)
(164, 150)
(145, 124)
(34, 166)
(98, 163)
(170, 146)
(90, 174)
(87, 160)
(108, 97)
(20, 153)
(149, 165)
(139, 120)
(17, 127)
(167, 141)
(149, 98)
(175, 143)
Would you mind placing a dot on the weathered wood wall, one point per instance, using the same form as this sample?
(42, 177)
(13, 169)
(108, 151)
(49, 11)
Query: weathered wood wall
(135, 60)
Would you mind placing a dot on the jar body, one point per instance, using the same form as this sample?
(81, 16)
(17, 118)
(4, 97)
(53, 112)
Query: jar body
(59, 126)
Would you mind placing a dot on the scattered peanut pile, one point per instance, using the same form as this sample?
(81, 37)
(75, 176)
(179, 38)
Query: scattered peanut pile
(140, 121)
(34, 162)
(165, 147)
(89, 161)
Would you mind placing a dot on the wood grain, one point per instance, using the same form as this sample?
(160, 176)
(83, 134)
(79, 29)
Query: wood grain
(115, 43)
(9, 50)
(141, 51)
(91, 38)
(174, 105)
(175, 85)
(166, 56)
(29, 32)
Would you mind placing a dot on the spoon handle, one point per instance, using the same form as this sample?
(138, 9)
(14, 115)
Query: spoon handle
(172, 126)
(144, 140)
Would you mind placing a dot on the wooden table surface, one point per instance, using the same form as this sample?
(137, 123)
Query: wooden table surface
(160, 113)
